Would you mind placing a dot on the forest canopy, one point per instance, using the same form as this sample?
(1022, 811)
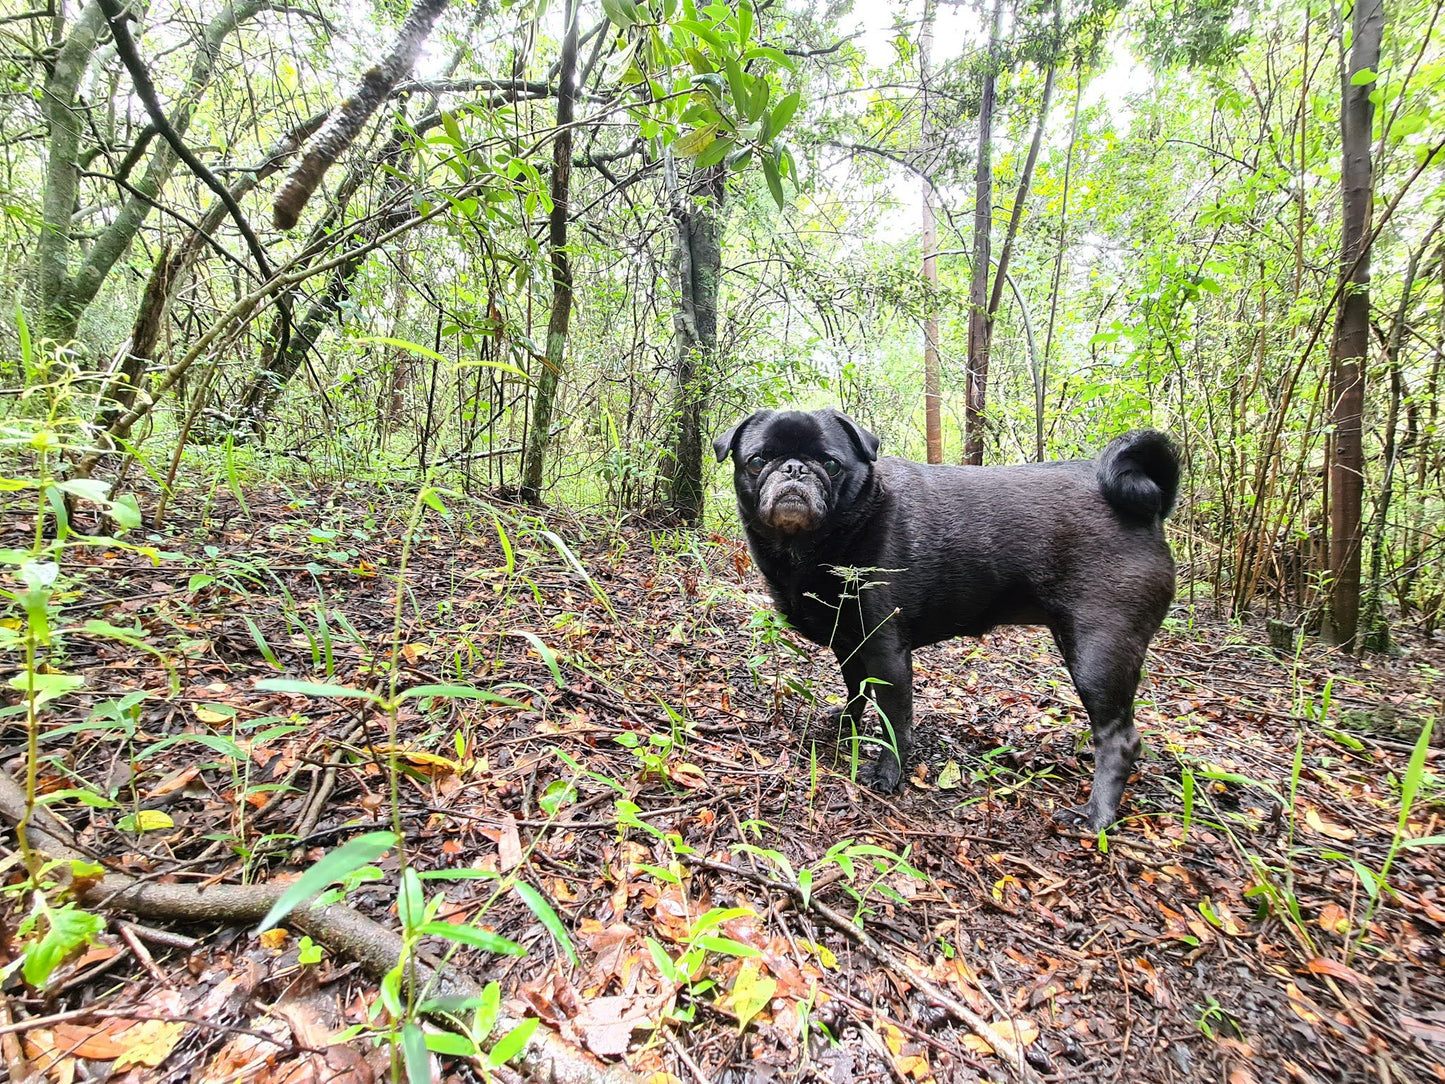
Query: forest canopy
(551, 249)
(373, 605)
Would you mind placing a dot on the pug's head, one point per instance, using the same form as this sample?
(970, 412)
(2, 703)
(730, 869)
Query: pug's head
(794, 470)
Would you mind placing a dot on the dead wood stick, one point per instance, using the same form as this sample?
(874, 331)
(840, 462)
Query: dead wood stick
(1009, 1052)
(344, 931)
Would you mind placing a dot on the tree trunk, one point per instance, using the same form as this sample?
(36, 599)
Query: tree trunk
(1376, 633)
(976, 388)
(557, 324)
(696, 271)
(932, 377)
(120, 390)
(1352, 326)
(1041, 383)
(64, 297)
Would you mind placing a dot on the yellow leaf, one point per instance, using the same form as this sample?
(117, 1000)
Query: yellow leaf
(751, 993)
(149, 820)
(214, 713)
(1327, 828)
(949, 777)
(275, 937)
(149, 1043)
(825, 955)
(1027, 1032)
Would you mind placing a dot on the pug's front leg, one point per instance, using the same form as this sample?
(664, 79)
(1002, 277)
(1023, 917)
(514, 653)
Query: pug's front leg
(849, 717)
(890, 676)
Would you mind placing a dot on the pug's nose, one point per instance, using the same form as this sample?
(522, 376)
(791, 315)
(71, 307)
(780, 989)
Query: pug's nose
(793, 468)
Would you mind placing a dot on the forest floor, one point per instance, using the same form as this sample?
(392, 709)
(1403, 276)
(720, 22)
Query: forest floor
(667, 782)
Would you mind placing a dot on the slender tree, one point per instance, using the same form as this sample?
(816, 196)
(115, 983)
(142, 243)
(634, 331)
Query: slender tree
(545, 401)
(932, 377)
(1352, 323)
(696, 206)
(976, 386)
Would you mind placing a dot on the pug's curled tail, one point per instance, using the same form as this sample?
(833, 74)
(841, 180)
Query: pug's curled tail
(1139, 474)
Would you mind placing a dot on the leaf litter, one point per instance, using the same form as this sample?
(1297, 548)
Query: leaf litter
(657, 769)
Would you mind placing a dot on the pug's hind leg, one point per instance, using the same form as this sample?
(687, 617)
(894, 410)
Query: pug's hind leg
(892, 690)
(1105, 669)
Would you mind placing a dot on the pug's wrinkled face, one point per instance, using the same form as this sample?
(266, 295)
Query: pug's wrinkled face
(794, 469)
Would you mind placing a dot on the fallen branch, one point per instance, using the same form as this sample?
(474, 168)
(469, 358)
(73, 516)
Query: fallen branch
(343, 930)
(1009, 1052)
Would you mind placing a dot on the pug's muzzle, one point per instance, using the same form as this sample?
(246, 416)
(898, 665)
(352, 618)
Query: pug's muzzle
(793, 498)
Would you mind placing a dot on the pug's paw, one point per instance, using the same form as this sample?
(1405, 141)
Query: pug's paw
(1087, 817)
(882, 774)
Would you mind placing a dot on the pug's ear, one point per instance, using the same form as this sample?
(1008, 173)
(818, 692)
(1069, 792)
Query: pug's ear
(727, 444)
(864, 441)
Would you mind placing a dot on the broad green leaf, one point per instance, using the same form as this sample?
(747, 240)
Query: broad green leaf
(775, 183)
(457, 692)
(548, 917)
(474, 936)
(559, 793)
(316, 688)
(697, 140)
(414, 1054)
(511, 1044)
(451, 1044)
(616, 15)
(783, 112)
(1363, 77)
(333, 866)
(67, 929)
(716, 151)
(88, 489)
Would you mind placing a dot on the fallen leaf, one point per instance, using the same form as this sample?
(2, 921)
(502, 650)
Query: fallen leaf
(1334, 918)
(1328, 828)
(949, 777)
(145, 820)
(149, 1043)
(607, 1023)
(1026, 1034)
(1322, 966)
(687, 775)
(509, 846)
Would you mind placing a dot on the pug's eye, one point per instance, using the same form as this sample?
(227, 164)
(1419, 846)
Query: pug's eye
(756, 463)
(833, 467)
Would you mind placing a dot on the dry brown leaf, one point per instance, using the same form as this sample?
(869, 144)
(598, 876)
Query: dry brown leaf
(606, 1023)
(509, 846)
(174, 781)
(1323, 966)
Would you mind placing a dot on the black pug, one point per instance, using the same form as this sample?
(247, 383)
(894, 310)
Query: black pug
(950, 551)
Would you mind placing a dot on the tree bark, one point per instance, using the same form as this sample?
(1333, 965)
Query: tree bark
(976, 387)
(696, 272)
(1352, 326)
(120, 390)
(1041, 382)
(932, 376)
(63, 296)
(557, 324)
